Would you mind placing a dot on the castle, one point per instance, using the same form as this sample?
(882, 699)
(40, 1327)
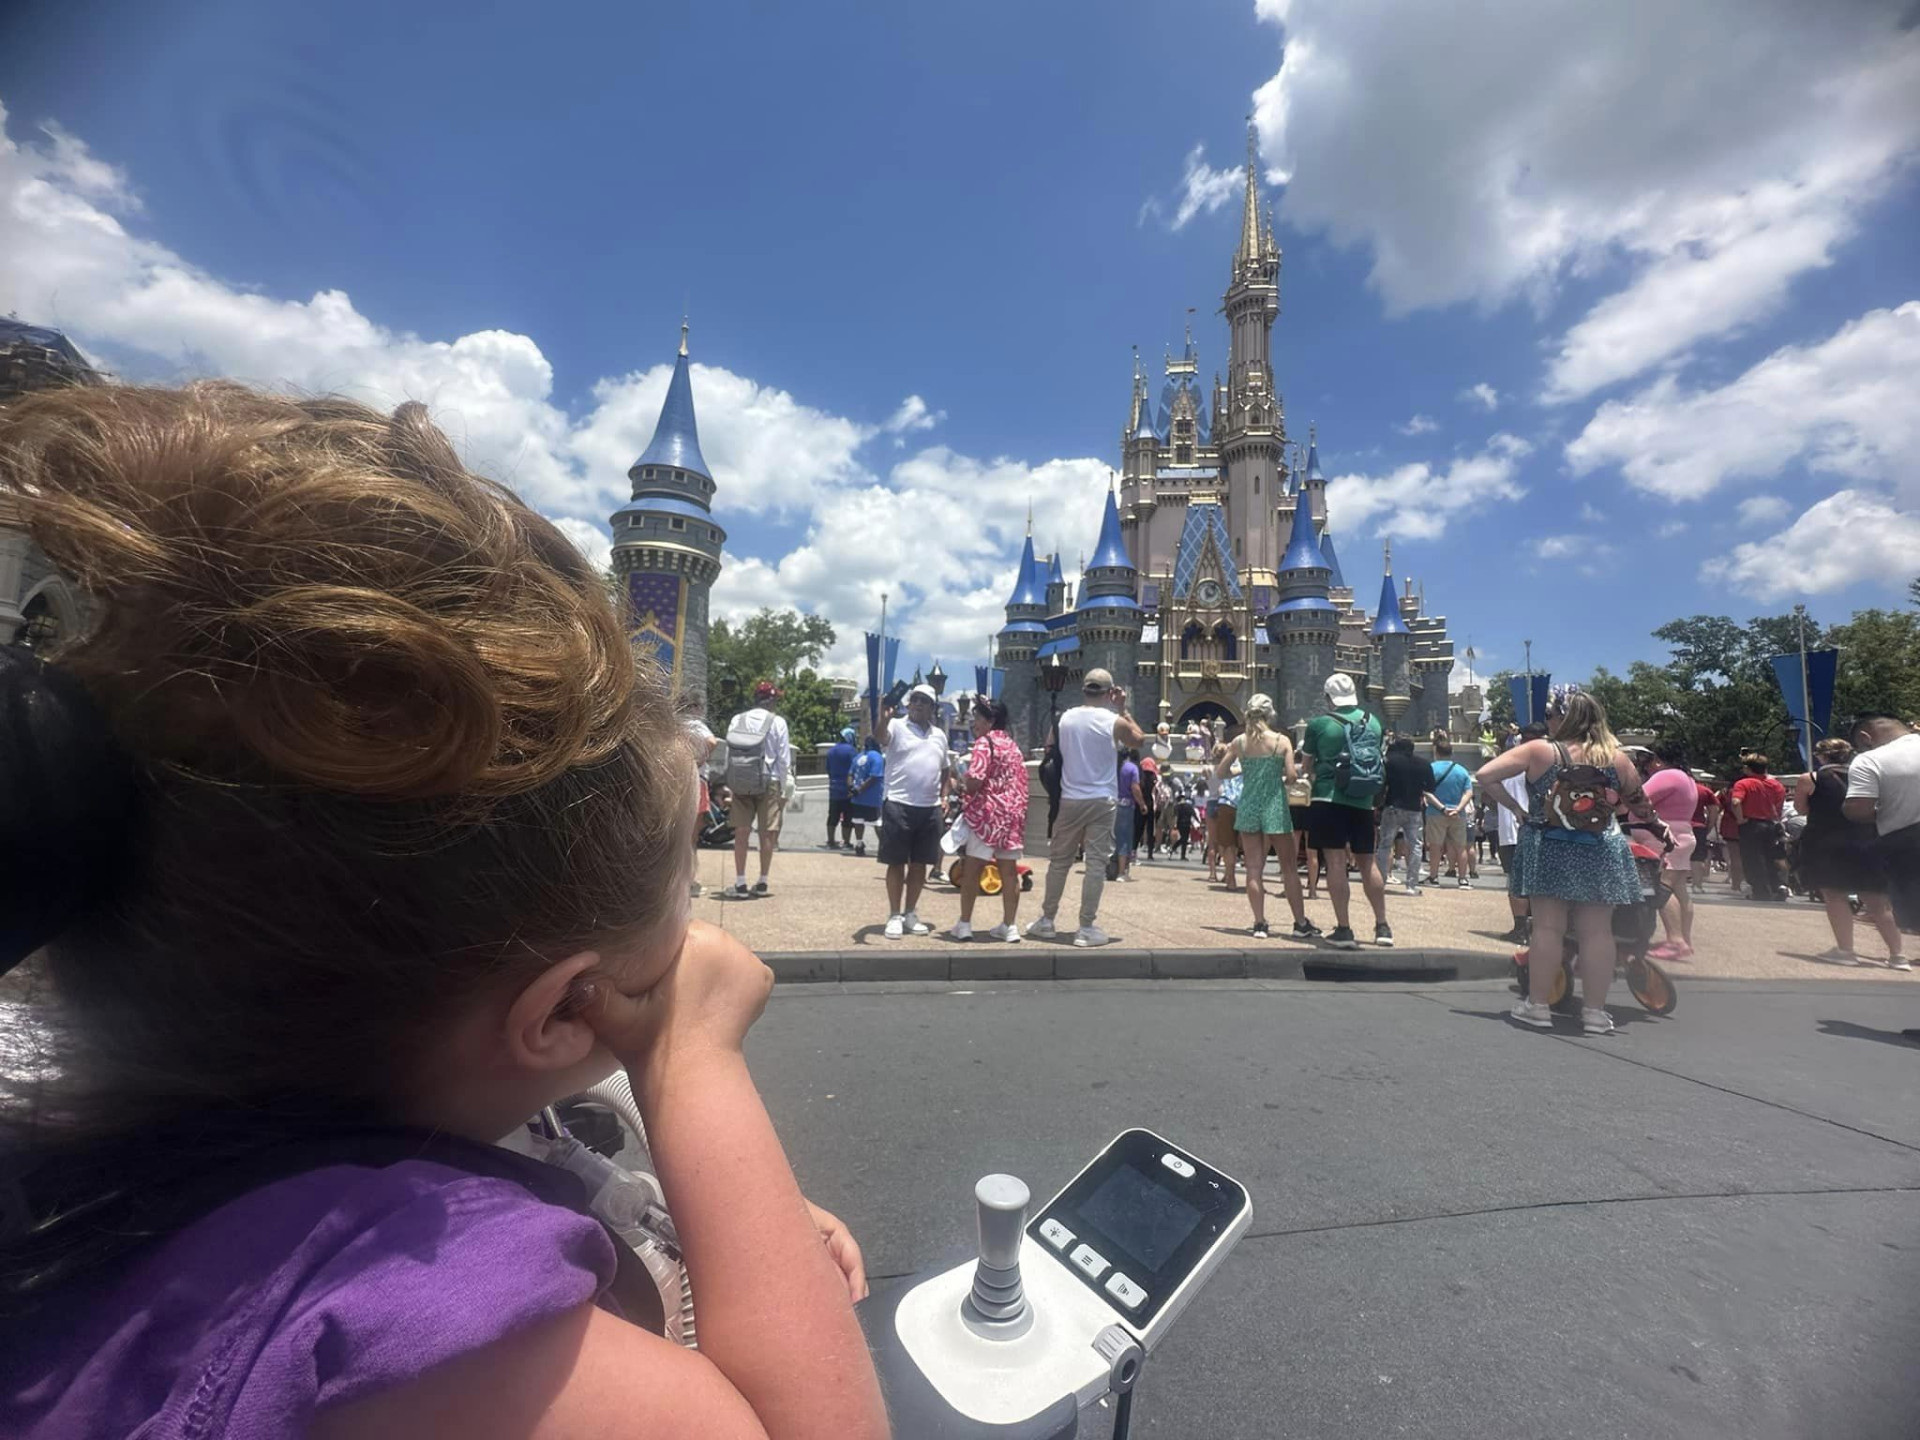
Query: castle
(666, 546)
(1215, 575)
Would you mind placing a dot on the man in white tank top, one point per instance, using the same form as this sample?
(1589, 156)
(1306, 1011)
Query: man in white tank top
(1090, 736)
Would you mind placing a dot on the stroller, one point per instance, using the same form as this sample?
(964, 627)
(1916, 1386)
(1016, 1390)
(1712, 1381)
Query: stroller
(1633, 930)
(990, 877)
(716, 830)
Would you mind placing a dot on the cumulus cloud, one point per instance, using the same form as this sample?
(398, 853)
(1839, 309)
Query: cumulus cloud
(1419, 425)
(1847, 406)
(1419, 501)
(938, 531)
(1848, 538)
(1670, 528)
(1693, 158)
(1482, 394)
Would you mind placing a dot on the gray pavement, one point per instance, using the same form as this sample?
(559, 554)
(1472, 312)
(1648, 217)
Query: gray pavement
(1705, 1226)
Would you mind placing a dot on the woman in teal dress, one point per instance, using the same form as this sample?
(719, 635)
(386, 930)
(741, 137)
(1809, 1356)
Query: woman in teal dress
(1263, 819)
(1565, 872)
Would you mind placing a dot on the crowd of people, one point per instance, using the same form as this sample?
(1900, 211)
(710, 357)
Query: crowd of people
(1349, 804)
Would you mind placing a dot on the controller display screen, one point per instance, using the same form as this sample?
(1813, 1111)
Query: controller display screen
(1150, 1222)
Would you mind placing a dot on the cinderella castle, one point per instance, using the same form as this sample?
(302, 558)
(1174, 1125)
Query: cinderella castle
(1215, 574)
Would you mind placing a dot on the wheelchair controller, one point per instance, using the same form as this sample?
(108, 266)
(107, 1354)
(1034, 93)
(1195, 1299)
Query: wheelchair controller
(1063, 1307)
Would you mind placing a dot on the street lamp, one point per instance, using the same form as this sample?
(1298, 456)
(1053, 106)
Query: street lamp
(937, 678)
(1054, 675)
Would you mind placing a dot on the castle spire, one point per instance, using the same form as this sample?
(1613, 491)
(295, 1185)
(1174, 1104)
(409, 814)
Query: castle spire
(683, 334)
(1250, 216)
(1389, 621)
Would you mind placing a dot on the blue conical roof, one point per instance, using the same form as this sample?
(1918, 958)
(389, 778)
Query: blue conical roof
(1388, 621)
(1303, 550)
(1313, 460)
(1333, 560)
(1111, 552)
(1028, 588)
(676, 439)
(1143, 421)
(1054, 574)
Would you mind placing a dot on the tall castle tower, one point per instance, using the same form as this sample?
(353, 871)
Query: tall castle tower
(1392, 692)
(1020, 641)
(1303, 627)
(1109, 619)
(1255, 429)
(666, 547)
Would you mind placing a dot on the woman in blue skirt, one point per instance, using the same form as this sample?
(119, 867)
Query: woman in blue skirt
(1562, 867)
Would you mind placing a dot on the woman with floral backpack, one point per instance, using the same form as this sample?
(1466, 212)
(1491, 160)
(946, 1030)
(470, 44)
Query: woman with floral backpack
(1572, 861)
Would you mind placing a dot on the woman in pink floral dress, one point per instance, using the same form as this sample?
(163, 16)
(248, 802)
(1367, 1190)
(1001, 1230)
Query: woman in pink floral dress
(995, 811)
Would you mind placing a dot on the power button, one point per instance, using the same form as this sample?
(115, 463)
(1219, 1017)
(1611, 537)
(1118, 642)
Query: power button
(1179, 1167)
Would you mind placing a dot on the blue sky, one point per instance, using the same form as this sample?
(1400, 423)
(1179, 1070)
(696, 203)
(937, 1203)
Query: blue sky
(917, 243)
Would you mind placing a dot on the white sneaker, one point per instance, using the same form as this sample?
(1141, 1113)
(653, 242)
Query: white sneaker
(1461, 883)
(1089, 935)
(1526, 1012)
(896, 927)
(1042, 929)
(962, 930)
(1899, 962)
(1596, 1022)
(1008, 933)
(740, 887)
(915, 925)
(1836, 956)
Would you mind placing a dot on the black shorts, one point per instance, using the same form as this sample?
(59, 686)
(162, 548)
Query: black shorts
(1301, 815)
(861, 813)
(1699, 844)
(839, 811)
(909, 834)
(1332, 826)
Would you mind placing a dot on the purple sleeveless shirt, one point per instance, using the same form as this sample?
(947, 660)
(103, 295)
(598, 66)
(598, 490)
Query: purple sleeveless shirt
(303, 1294)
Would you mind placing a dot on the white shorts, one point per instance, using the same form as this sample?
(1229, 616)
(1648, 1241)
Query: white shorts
(978, 849)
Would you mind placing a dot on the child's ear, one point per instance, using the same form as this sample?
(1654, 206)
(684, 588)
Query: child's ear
(544, 1029)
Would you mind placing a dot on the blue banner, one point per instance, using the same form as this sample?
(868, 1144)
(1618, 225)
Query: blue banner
(980, 680)
(996, 681)
(893, 659)
(1813, 701)
(873, 682)
(1523, 712)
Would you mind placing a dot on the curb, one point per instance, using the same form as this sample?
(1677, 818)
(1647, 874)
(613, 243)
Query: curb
(1043, 960)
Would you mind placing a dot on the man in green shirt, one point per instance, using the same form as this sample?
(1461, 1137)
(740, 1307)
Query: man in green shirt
(1340, 820)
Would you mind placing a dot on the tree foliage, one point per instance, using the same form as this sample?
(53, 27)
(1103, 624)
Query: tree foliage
(1717, 693)
(783, 646)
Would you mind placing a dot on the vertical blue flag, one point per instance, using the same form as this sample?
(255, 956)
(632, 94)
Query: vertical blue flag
(1525, 713)
(873, 682)
(980, 680)
(1809, 704)
(893, 659)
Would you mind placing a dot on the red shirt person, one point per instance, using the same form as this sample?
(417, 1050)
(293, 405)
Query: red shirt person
(1758, 801)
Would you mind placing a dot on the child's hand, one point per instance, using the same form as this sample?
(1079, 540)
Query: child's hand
(703, 1005)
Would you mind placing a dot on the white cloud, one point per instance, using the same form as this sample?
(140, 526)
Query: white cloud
(1203, 189)
(1418, 501)
(939, 532)
(1846, 539)
(1589, 515)
(1482, 394)
(593, 540)
(1762, 510)
(1419, 425)
(1554, 547)
(1694, 158)
(1847, 406)
(1668, 529)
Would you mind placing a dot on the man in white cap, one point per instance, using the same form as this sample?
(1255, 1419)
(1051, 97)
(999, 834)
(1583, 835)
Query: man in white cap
(1344, 753)
(1090, 736)
(919, 770)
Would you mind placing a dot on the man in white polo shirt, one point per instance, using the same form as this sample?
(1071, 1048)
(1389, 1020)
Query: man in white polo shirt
(919, 769)
(1883, 786)
(1090, 736)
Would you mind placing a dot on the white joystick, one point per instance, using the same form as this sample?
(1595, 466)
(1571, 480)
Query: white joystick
(997, 1306)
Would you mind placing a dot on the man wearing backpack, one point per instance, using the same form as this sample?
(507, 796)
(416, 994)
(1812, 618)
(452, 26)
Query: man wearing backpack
(759, 755)
(1343, 750)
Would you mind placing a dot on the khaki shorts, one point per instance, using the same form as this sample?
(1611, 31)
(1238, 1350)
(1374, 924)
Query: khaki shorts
(1444, 830)
(767, 809)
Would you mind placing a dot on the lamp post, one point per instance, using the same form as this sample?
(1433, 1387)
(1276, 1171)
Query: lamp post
(937, 678)
(1054, 675)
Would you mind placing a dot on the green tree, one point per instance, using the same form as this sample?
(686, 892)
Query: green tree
(1913, 592)
(778, 645)
(1500, 699)
(1879, 666)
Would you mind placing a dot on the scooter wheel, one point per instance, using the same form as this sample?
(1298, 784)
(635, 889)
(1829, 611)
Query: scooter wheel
(1651, 987)
(1562, 998)
(990, 878)
(953, 874)
(1026, 883)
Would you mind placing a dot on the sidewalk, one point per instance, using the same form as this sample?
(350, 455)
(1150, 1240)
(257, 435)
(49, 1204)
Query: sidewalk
(823, 901)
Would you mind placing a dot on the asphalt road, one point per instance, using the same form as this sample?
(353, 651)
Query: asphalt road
(1704, 1226)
